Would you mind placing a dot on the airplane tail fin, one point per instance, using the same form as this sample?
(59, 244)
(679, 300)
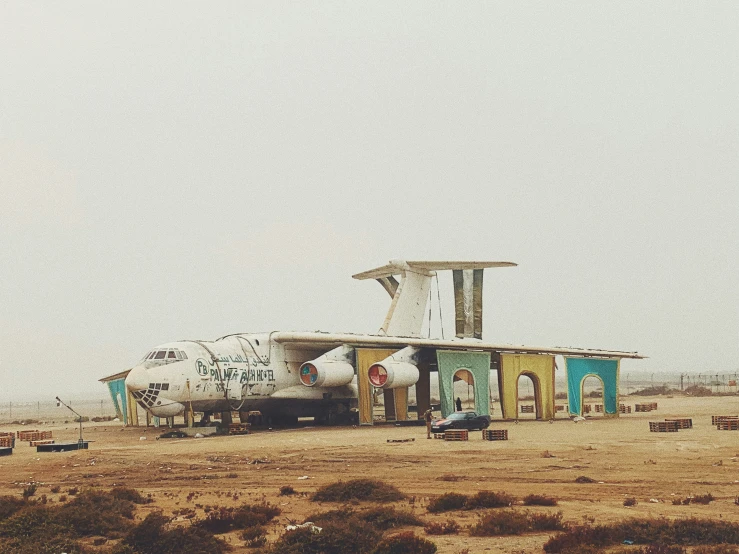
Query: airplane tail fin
(410, 295)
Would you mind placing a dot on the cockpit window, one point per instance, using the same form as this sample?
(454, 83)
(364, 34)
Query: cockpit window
(183, 356)
(151, 355)
(160, 355)
(171, 355)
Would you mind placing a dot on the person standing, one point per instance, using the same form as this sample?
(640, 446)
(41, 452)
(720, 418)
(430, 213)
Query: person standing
(459, 404)
(428, 417)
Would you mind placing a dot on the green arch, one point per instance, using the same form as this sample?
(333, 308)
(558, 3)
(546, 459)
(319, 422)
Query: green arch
(604, 369)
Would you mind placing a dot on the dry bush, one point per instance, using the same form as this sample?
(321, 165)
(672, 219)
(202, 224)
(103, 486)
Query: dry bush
(132, 495)
(154, 536)
(224, 519)
(539, 500)
(584, 479)
(29, 490)
(450, 477)
(405, 543)
(10, 505)
(661, 549)
(500, 523)
(97, 513)
(287, 490)
(703, 499)
(337, 537)
(545, 521)
(380, 518)
(55, 489)
(358, 489)
(449, 527)
(688, 532)
(489, 499)
(631, 501)
(448, 502)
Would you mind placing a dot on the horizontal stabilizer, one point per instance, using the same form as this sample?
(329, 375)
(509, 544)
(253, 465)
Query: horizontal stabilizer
(397, 267)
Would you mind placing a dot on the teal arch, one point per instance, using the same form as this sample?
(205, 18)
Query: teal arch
(604, 369)
(478, 364)
(117, 390)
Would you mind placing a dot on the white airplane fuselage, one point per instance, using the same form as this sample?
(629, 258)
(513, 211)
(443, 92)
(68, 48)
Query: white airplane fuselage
(239, 372)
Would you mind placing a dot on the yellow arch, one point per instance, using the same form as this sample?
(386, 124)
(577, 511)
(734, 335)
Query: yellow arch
(540, 369)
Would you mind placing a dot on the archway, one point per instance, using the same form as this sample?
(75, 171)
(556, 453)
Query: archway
(477, 364)
(606, 369)
(540, 370)
(592, 394)
(528, 395)
(464, 390)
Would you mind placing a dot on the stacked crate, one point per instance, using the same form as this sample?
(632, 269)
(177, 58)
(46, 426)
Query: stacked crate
(34, 436)
(599, 408)
(624, 409)
(560, 408)
(238, 429)
(728, 425)
(527, 408)
(663, 427)
(495, 434)
(716, 418)
(456, 435)
(40, 442)
(7, 440)
(645, 407)
(682, 423)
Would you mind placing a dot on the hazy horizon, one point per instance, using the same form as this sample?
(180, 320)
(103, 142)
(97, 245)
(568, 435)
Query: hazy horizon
(183, 170)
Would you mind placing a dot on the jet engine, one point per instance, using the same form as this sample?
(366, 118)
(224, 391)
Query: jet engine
(333, 369)
(396, 371)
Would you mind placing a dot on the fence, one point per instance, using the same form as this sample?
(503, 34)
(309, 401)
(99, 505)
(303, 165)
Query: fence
(30, 412)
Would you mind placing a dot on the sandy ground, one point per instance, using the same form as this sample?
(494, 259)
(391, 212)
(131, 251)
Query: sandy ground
(621, 454)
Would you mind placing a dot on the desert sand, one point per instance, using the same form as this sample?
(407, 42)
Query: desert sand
(620, 454)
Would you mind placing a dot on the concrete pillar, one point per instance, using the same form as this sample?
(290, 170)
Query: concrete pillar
(226, 418)
(423, 389)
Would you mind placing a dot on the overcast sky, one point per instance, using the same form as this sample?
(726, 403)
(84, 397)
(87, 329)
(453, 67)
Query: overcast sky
(178, 170)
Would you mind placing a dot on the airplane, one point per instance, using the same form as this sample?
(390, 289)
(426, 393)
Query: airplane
(289, 375)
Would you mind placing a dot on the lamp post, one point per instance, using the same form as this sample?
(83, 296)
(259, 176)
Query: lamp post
(80, 442)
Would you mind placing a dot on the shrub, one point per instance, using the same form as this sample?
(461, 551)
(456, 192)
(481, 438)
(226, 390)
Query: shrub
(545, 521)
(449, 527)
(703, 499)
(29, 490)
(448, 502)
(358, 489)
(405, 543)
(500, 523)
(539, 500)
(631, 501)
(698, 390)
(488, 499)
(73, 491)
(10, 505)
(584, 479)
(384, 519)
(251, 533)
(132, 495)
(97, 513)
(224, 519)
(55, 489)
(337, 537)
(152, 536)
(287, 490)
(689, 531)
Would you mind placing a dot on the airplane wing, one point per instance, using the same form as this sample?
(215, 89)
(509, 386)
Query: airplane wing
(333, 340)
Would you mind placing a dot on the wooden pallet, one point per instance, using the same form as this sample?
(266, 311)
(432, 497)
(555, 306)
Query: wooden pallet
(624, 409)
(560, 408)
(495, 434)
(527, 408)
(645, 407)
(682, 423)
(456, 435)
(716, 418)
(663, 427)
(586, 408)
(401, 440)
(238, 429)
(439, 436)
(39, 443)
(599, 408)
(23, 435)
(728, 425)
(7, 442)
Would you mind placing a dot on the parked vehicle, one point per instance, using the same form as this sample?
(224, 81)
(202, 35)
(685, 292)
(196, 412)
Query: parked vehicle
(461, 420)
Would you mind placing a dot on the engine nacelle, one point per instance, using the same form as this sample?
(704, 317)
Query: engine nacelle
(333, 369)
(396, 371)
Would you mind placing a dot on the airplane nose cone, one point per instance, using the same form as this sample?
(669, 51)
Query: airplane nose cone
(137, 379)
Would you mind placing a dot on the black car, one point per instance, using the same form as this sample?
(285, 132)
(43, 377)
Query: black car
(461, 420)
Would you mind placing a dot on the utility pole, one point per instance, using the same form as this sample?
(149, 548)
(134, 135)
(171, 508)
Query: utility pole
(80, 443)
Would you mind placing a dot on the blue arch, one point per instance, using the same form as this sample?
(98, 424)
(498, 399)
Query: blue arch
(580, 368)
